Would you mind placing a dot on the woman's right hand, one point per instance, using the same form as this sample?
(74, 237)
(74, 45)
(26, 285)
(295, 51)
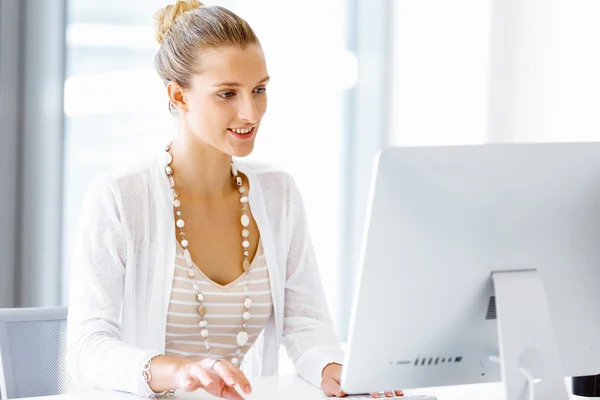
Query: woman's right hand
(218, 378)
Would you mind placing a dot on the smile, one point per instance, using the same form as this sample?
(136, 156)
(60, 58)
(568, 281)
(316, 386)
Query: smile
(242, 131)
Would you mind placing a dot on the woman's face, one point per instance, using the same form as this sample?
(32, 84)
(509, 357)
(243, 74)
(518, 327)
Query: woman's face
(227, 99)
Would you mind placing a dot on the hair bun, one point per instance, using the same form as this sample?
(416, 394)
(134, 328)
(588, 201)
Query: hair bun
(166, 17)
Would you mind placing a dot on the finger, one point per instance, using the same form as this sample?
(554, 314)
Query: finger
(389, 394)
(195, 386)
(230, 393)
(399, 393)
(328, 388)
(189, 384)
(325, 389)
(241, 379)
(332, 388)
(338, 389)
(337, 392)
(335, 385)
(205, 377)
(375, 395)
(232, 375)
(218, 369)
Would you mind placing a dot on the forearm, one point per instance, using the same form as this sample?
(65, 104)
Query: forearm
(102, 361)
(163, 371)
(313, 362)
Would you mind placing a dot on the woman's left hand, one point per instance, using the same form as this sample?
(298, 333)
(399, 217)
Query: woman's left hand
(330, 383)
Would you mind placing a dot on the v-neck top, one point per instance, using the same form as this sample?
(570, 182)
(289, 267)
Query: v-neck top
(124, 262)
(224, 308)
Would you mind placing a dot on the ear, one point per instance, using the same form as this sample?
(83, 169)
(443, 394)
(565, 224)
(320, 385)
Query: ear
(176, 96)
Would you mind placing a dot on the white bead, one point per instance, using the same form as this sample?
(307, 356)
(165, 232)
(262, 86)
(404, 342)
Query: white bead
(204, 333)
(238, 352)
(180, 223)
(203, 323)
(191, 273)
(168, 158)
(242, 190)
(245, 244)
(195, 286)
(245, 233)
(171, 181)
(200, 297)
(176, 203)
(238, 181)
(184, 243)
(246, 316)
(244, 199)
(169, 170)
(242, 339)
(245, 220)
(188, 257)
(248, 303)
(235, 361)
(234, 170)
(207, 344)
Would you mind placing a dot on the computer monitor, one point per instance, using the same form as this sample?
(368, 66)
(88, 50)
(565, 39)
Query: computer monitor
(479, 264)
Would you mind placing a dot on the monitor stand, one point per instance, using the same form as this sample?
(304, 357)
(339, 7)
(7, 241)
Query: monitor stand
(526, 338)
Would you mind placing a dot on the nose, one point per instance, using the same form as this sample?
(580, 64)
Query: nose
(248, 110)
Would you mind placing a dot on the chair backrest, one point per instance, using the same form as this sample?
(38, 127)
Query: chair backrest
(33, 352)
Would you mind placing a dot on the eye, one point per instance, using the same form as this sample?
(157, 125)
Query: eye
(226, 95)
(260, 90)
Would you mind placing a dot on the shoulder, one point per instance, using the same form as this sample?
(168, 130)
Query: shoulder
(274, 181)
(127, 184)
(277, 190)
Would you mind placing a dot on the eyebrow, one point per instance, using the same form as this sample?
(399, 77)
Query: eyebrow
(235, 84)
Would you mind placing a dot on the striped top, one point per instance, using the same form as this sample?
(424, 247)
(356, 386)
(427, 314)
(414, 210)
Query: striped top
(224, 308)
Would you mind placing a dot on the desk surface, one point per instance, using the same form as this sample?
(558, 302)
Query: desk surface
(292, 387)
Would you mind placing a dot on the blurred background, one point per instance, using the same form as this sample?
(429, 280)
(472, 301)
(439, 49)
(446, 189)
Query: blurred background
(79, 96)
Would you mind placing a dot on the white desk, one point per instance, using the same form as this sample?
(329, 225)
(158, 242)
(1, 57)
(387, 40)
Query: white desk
(291, 387)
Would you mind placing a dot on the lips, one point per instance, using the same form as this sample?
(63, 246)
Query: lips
(243, 133)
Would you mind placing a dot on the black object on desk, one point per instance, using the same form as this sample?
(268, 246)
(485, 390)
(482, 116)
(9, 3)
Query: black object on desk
(586, 386)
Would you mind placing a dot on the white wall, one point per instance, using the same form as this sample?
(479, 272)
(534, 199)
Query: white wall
(471, 71)
(439, 79)
(545, 80)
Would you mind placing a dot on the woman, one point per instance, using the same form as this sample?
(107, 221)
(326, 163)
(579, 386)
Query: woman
(190, 263)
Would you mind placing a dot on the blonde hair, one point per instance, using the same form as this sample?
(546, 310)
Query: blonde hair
(185, 29)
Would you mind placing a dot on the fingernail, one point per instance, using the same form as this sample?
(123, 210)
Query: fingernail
(247, 390)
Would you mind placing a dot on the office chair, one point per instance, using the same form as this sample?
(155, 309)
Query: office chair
(33, 352)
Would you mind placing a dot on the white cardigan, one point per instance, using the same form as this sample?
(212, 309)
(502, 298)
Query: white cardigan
(123, 267)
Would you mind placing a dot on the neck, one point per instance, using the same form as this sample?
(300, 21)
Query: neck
(201, 172)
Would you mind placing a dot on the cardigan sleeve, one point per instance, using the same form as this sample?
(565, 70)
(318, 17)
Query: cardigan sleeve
(308, 332)
(96, 355)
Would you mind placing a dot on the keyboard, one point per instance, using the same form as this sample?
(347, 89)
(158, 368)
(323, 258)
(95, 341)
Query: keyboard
(381, 397)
